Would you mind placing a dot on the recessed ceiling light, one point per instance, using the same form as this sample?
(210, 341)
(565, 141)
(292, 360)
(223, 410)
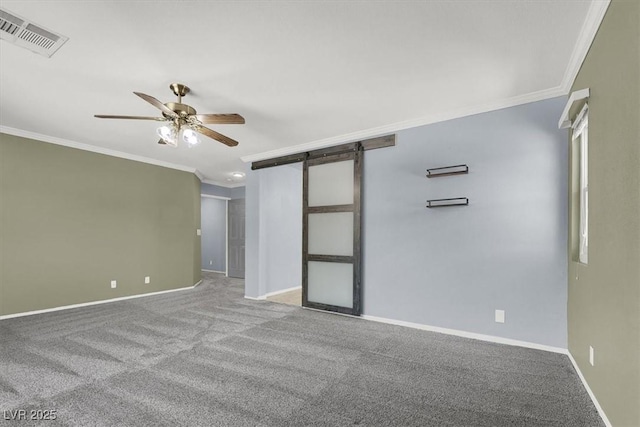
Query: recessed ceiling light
(237, 174)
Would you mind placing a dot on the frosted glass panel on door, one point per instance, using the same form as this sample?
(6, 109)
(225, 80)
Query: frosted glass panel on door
(331, 184)
(330, 283)
(331, 233)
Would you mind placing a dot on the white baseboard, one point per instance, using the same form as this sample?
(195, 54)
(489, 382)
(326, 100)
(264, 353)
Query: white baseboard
(214, 271)
(87, 304)
(270, 294)
(591, 395)
(465, 334)
(198, 283)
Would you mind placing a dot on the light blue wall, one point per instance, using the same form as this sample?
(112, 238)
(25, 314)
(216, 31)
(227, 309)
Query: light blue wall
(253, 279)
(452, 267)
(282, 216)
(215, 190)
(449, 267)
(214, 238)
(274, 229)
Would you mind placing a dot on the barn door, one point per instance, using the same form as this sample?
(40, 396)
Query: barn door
(331, 273)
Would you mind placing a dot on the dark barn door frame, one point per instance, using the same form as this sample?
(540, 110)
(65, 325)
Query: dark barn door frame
(350, 152)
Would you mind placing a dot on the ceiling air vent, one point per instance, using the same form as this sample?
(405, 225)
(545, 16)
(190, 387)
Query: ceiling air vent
(28, 35)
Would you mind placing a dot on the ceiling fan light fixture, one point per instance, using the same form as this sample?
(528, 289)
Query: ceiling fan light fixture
(168, 135)
(190, 137)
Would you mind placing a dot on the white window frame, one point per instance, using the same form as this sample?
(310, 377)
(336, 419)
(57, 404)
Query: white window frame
(580, 128)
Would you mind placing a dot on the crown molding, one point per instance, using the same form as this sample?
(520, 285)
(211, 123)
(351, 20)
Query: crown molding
(565, 121)
(94, 149)
(593, 19)
(398, 126)
(595, 15)
(113, 153)
(199, 174)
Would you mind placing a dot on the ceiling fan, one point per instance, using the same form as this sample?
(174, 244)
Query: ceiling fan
(184, 122)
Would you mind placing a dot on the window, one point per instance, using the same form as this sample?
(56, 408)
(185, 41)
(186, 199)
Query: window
(581, 141)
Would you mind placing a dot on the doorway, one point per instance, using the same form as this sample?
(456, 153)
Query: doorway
(331, 221)
(213, 238)
(236, 238)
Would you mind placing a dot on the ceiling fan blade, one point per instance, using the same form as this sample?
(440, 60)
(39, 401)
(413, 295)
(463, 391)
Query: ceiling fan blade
(215, 135)
(162, 142)
(159, 105)
(103, 116)
(221, 119)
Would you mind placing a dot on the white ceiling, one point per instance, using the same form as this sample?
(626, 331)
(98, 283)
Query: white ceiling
(300, 72)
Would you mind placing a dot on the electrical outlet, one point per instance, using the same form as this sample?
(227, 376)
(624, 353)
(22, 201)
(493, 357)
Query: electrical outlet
(500, 316)
(147, 280)
(113, 284)
(210, 262)
(198, 232)
(591, 356)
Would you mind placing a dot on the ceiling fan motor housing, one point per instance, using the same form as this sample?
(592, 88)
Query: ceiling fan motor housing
(182, 110)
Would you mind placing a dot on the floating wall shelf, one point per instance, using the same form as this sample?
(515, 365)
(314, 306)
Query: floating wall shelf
(441, 203)
(447, 170)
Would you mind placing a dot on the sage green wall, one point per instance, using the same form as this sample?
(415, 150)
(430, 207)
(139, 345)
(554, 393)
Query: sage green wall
(71, 221)
(604, 296)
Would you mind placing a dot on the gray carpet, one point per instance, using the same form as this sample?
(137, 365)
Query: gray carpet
(209, 357)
